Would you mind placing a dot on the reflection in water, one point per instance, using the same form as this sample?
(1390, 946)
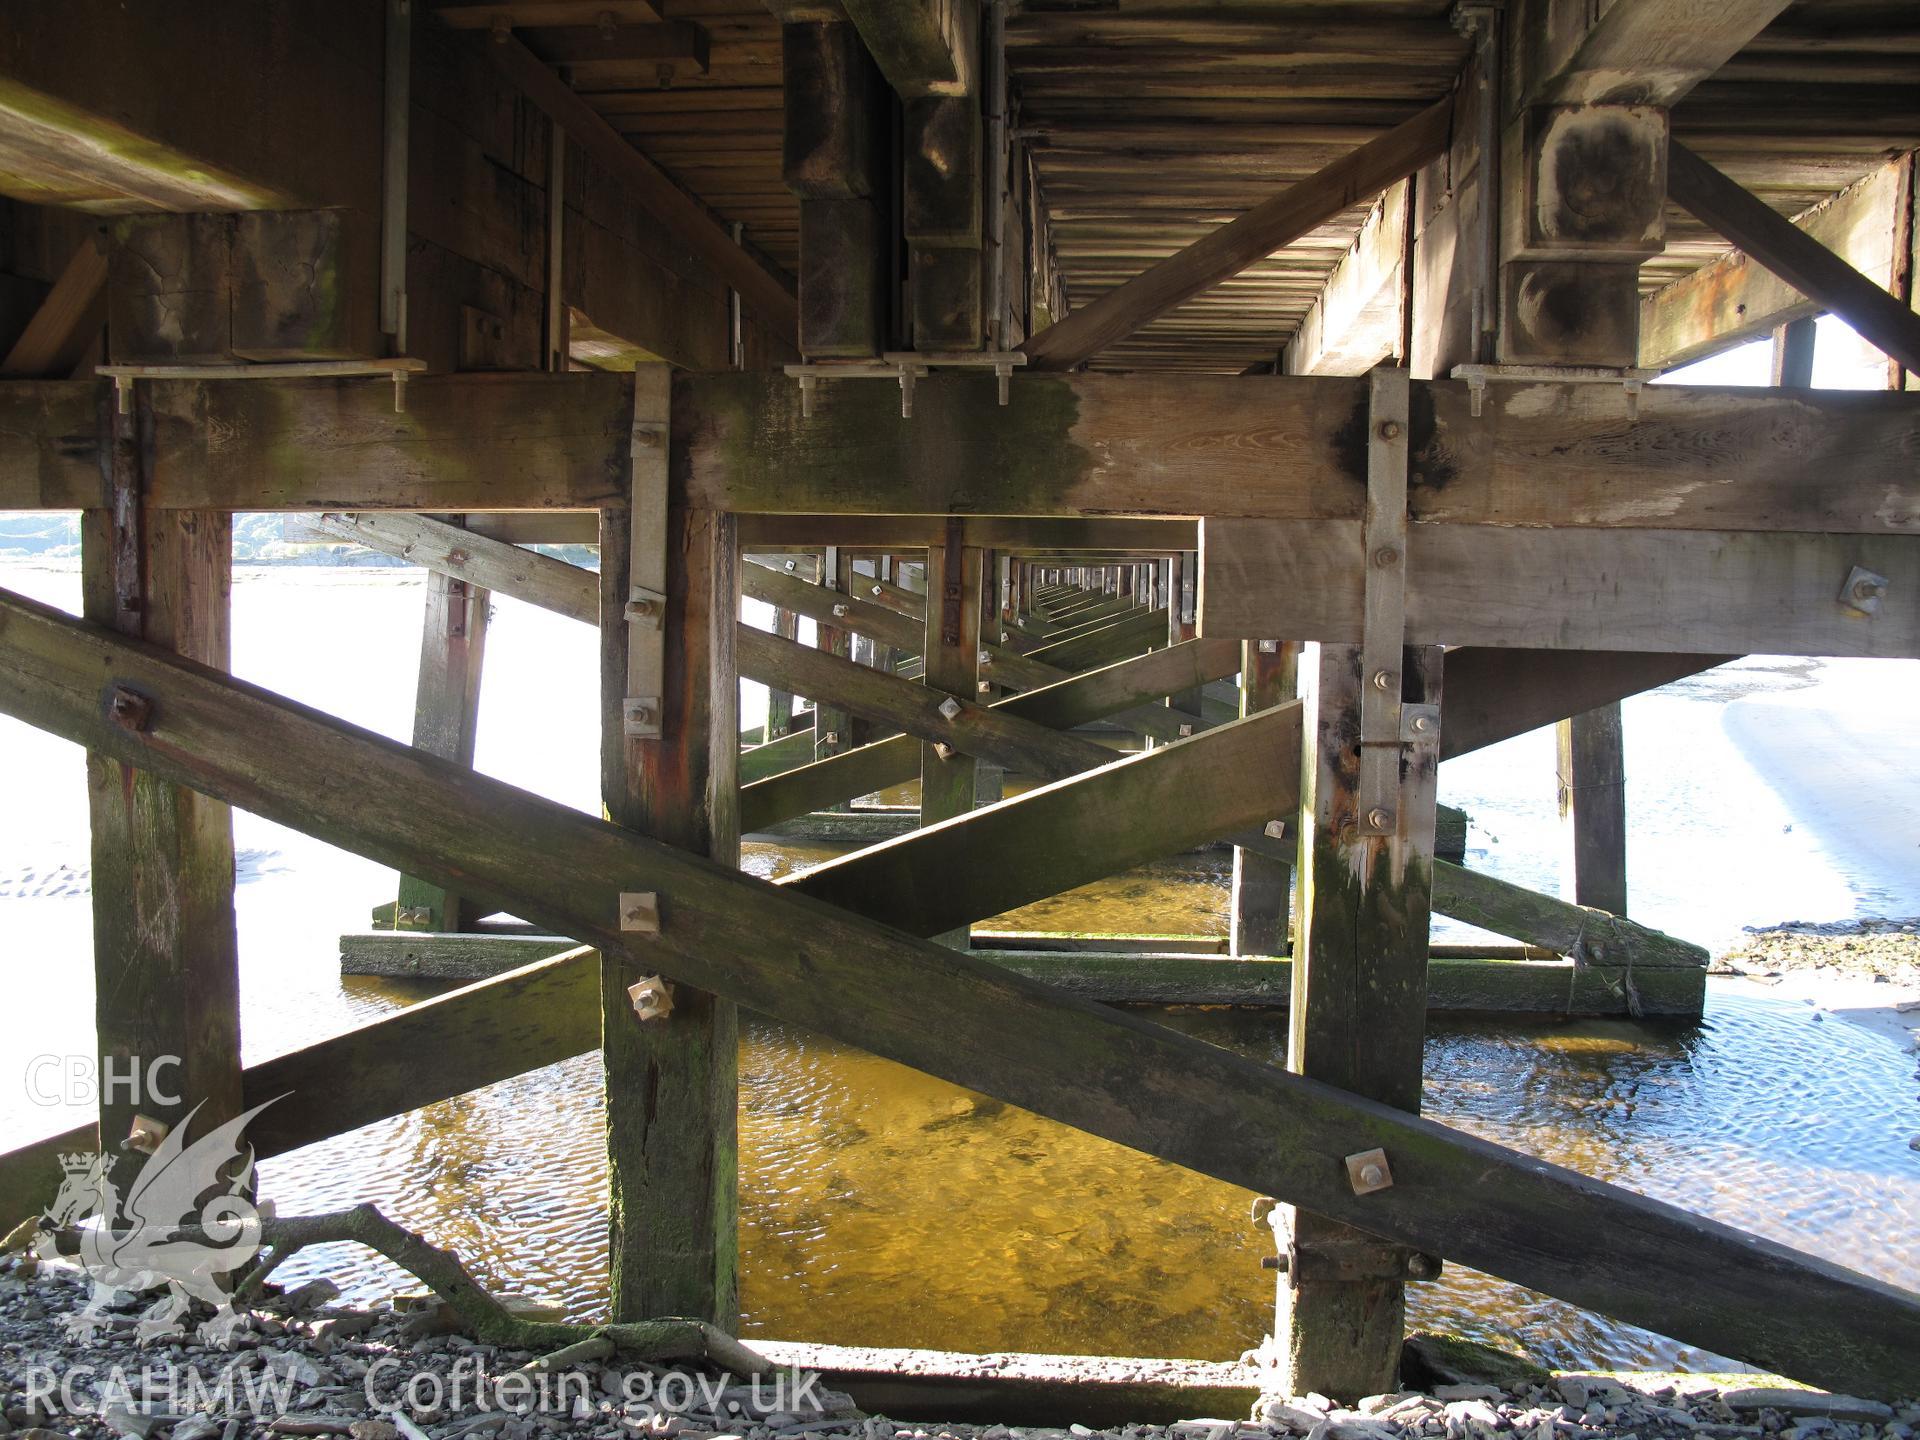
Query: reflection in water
(882, 1207)
(879, 1206)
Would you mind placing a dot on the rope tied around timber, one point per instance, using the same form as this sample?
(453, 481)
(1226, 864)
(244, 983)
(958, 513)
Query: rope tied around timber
(1619, 940)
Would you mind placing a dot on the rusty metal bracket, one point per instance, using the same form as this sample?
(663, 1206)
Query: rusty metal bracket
(953, 589)
(1384, 621)
(641, 716)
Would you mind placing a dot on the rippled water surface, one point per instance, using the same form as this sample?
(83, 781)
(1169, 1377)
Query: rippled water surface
(880, 1206)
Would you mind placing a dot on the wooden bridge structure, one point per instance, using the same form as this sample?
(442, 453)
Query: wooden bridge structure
(1085, 353)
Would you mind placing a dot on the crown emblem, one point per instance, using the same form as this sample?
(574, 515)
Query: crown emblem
(78, 1163)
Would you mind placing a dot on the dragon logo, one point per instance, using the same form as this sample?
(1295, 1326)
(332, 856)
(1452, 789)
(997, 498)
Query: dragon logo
(187, 1223)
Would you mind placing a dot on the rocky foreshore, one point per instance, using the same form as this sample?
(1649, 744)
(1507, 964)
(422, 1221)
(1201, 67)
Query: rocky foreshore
(306, 1366)
(1883, 951)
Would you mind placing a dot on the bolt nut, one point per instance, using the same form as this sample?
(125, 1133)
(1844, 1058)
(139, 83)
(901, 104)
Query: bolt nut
(129, 709)
(1383, 680)
(1423, 1267)
(1269, 647)
(876, 590)
(1368, 1171)
(1423, 725)
(652, 998)
(1386, 557)
(943, 750)
(793, 565)
(1186, 730)
(985, 687)
(950, 708)
(1380, 819)
(1275, 830)
(832, 737)
(1389, 429)
(839, 612)
(145, 1134)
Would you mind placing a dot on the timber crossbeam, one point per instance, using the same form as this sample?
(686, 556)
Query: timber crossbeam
(822, 968)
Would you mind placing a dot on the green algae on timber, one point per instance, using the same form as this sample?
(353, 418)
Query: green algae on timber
(962, 451)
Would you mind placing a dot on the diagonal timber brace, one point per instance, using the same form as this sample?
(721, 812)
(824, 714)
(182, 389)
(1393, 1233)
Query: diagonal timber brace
(810, 964)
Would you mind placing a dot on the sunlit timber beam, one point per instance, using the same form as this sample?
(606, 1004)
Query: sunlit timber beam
(812, 965)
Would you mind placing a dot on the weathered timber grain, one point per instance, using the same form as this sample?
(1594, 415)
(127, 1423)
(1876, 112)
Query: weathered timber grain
(1359, 992)
(1108, 1073)
(1133, 631)
(672, 1082)
(1289, 447)
(1658, 590)
(1148, 973)
(1555, 924)
(490, 564)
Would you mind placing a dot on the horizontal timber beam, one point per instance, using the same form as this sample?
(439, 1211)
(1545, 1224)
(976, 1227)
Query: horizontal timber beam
(1658, 590)
(1170, 445)
(1113, 690)
(1795, 256)
(991, 532)
(1114, 1075)
(1472, 984)
(1286, 447)
(1227, 250)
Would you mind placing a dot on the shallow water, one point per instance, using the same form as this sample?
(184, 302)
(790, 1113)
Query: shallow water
(880, 1206)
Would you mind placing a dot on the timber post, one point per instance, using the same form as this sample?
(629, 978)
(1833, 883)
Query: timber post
(1263, 886)
(952, 664)
(832, 726)
(166, 953)
(669, 770)
(446, 715)
(1593, 802)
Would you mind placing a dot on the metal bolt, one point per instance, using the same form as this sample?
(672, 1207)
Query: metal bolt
(652, 998)
(647, 439)
(878, 591)
(986, 657)
(146, 1134)
(832, 737)
(1185, 730)
(943, 750)
(1423, 1267)
(985, 687)
(130, 710)
(640, 912)
(1269, 647)
(639, 609)
(792, 565)
(1385, 558)
(1389, 429)
(950, 708)
(1869, 589)
(839, 612)
(1383, 680)
(1380, 818)
(1275, 830)
(1368, 1171)
(1422, 725)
